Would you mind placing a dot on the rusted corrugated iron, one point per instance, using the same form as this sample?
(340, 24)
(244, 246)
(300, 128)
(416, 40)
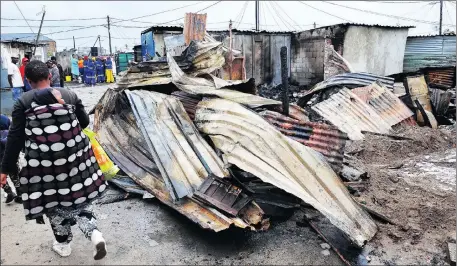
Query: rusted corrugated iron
(347, 80)
(441, 76)
(323, 138)
(440, 100)
(351, 115)
(189, 101)
(182, 155)
(194, 27)
(123, 141)
(252, 144)
(334, 63)
(388, 106)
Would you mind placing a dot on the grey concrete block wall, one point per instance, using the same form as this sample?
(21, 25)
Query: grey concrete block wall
(307, 59)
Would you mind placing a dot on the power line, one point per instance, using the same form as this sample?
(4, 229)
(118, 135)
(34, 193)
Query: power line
(386, 15)
(183, 17)
(277, 14)
(397, 2)
(278, 5)
(279, 28)
(241, 11)
(47, 26)
(50, 33)
(325, 12)
(24, 17)
(447, 11)
(69, 19)
(161, 12)
(244, 11)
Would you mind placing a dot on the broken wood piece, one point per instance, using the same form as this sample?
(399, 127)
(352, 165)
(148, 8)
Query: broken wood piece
(349, 173)
(326, 240)
(396, 166)
(376, 214)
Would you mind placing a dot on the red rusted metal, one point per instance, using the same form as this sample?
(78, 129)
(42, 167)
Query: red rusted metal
(194, 27)
(323, 138)
(189, 101)
(441, 76)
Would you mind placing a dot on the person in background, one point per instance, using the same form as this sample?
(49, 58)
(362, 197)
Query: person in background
(109, 70)
(27, 87)
(86, 71)
(55, 75)
(74, 67)
(100, 71)
(61, 74)
(114, 67)
(4, 128)
(91, 72)
(61, 177)
(15, 79)
(81, 68)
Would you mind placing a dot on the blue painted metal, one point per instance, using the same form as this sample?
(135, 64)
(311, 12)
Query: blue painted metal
(429, 51)
(147, 45)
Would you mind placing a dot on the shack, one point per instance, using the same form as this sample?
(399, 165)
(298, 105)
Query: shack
(30, 38)
(261, 52)
(377, 49)
(434, 56)
(152, 40)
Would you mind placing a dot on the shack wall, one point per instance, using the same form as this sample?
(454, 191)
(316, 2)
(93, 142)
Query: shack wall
(159, 42)
(261, 52)
(375, 50)
(308, 51)
(429, 51)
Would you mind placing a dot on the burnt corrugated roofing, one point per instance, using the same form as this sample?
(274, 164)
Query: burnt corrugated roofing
(164, 28)
(433, 35)
(364, 25)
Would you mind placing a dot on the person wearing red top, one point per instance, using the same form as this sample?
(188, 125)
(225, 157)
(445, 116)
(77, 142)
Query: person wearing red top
(26, 87)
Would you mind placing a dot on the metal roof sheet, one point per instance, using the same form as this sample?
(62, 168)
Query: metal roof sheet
(24, 37)
(364, 25)
(252, 144)
(351, 115)
(182, 155)
(125, 144)
(321, 137)
(388, 106)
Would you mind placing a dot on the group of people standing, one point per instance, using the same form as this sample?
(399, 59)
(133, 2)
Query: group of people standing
(93, 70)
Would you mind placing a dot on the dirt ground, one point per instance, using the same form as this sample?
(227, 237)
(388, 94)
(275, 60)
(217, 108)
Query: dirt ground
(413, 183)
(140, 232)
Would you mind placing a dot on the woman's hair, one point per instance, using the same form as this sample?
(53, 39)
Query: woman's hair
(36, 71)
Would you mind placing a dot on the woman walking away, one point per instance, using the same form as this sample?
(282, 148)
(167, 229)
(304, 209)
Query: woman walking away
(61, 175)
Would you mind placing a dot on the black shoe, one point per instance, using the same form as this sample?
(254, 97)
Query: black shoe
(18, 199)
(10, 197)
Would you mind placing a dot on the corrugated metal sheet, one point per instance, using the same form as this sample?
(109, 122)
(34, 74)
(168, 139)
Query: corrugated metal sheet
(175, 44)
(323, 138)
(215, 87)
(182, 155)
(252, 144)
(351, 115)
(441, 76)
(348, 80)
(189, 102)
(194, 27)
(440, 100)
(122, 140)
(384, 102)
(423, 52)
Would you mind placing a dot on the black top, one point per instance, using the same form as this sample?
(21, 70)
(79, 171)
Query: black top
(16, 135)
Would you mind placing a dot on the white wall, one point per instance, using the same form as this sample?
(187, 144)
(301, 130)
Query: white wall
(375, 50)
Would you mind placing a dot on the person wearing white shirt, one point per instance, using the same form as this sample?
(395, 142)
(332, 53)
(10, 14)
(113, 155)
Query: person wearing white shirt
(15, 78)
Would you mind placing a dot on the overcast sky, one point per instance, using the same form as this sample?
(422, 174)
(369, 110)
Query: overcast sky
(274, 15)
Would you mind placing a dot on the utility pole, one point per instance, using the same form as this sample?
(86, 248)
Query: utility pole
(230, 51)
(39, 30)
(74, 43)
(100, 44)
(441, 17)
(109, 36)
(257, 15)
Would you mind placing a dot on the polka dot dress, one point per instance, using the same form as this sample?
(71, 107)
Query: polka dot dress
(61, 169)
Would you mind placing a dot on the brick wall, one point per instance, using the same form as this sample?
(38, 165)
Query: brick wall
(307, 60)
